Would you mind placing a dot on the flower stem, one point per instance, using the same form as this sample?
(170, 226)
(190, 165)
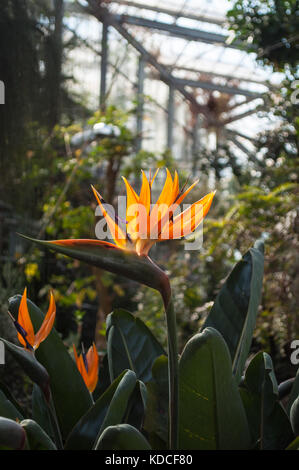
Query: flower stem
(172, 365)
(163, 286)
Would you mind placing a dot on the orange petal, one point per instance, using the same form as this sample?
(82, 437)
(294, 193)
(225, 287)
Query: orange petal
(93, 367)
(186, 222)
(80, 364)
(117, 233)
(182, 196)
(47, 324)
(76, 355)
(167, 191)
(132, 210)
(132, 199)
(25, 321)
(162, 205)
(153, 178)
(145, 193)
(175, 189)
(82, 370)
(142, 219)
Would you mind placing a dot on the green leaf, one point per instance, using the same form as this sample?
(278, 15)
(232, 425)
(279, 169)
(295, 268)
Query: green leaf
(122, 437)
(27, 360)
(11, 398)
(294, 416)
(12, 435)
(130, 345)
(70, 395)
(7, 408)
(137, 406)
(40, 412)
(285, 388)
(269, 424)
(36, 436)
(108, 410)
(104, 381)
(212, 415)
(156, 417)
(235, 308)
(294, 392)
(111, 258)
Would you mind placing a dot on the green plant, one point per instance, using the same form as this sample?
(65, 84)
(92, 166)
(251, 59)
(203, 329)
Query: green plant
(224, 402)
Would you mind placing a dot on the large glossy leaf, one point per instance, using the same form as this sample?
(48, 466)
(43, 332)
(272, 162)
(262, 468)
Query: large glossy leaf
(269, 423)
(294, 416)
(109, 257)
(4, 389)
(130, 345)
(33, 368)
(7, 408)
(294, 392)
(70, 395)
(12, 435)
(235, 309)
(41, 413)
(108, 410)
(137, 404)
(36, 436)
(156, 417)
(285, 388)
(212, 415)
(122, 437)
(104, 381)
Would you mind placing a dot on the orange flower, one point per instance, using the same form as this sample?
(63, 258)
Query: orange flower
(146, 225)
(88, 365)
(26, 335)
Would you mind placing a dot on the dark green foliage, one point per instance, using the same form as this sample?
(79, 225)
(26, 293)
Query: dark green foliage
(272, 27)
(129, 414)
(236, 306)
(130, 344)
(268, 421)
(211, 410)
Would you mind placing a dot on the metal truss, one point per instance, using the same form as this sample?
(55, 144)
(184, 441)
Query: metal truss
(164, 72)
(174, 13)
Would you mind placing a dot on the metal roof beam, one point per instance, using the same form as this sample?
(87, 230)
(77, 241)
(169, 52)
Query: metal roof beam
(240, 134)
(214, 74)
(102, 14)
(214, 86)
(242, 147)
(189, 34)
(237, 117)
(171, 12)
(241, 103)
